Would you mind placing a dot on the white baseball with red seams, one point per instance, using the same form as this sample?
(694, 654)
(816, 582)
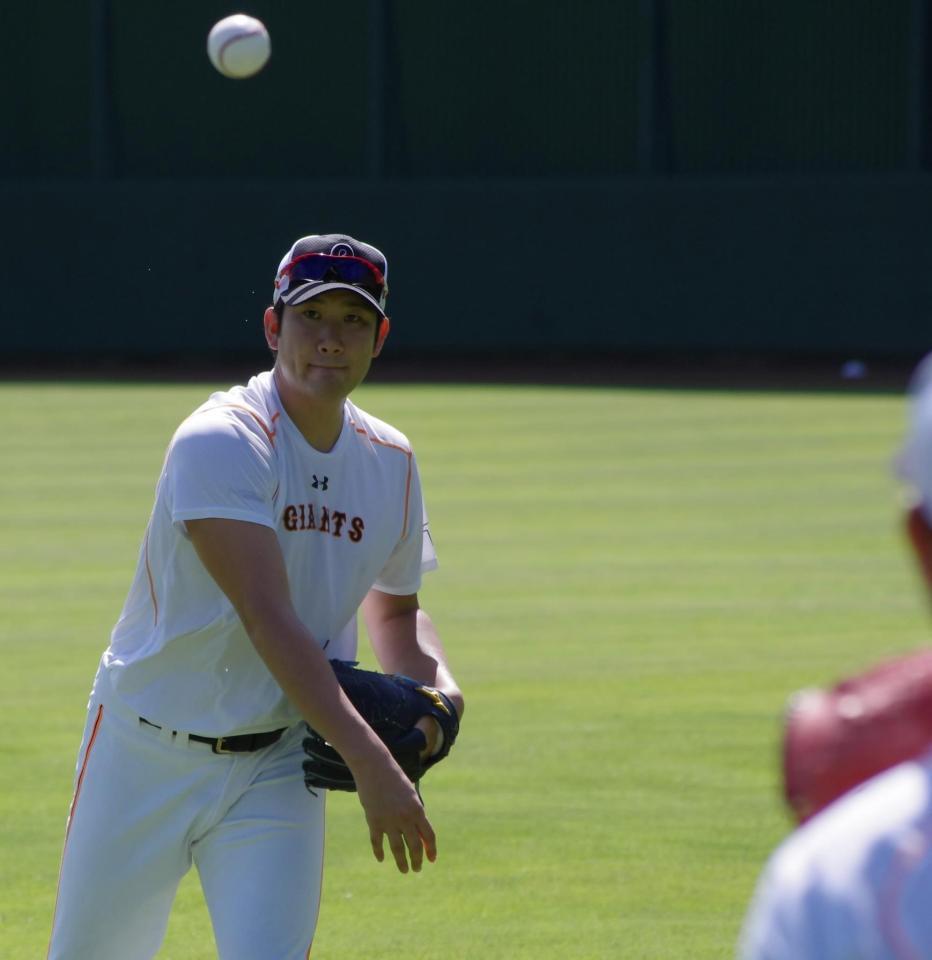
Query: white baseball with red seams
(239, 46)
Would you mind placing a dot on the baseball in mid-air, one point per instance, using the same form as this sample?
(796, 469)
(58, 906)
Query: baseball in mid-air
(238, 46)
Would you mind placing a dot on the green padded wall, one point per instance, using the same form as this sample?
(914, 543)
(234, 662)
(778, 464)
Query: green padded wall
(796, 86)
(46, 124)
(497, 150)
(516, 88)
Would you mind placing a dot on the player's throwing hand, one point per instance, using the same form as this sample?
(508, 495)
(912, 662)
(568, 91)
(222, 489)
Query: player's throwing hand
(395, 813)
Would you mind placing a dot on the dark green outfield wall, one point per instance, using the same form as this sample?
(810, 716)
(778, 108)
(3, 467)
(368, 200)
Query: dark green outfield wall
(807, 266)
(746, 175)
(494, 88)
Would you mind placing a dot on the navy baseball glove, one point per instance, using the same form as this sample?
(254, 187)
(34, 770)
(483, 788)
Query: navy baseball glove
(391, 704)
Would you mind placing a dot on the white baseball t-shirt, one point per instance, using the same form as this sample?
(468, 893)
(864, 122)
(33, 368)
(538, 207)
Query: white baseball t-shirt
(347, 520)
(855, 882)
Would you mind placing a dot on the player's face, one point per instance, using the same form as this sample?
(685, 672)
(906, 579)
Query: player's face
(325, 345)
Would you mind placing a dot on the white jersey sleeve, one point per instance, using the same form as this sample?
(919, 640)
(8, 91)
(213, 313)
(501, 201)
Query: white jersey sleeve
(854, 882)
(414, 553)
(221, 464)
(775, 926)
(914, 462)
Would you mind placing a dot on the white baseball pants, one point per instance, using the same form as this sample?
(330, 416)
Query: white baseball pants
(147, 805)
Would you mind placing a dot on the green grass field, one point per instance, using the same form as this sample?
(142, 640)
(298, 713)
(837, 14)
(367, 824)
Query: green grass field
(631, 582)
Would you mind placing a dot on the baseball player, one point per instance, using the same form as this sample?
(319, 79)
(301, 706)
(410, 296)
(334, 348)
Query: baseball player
(281, 509)
(855, 880)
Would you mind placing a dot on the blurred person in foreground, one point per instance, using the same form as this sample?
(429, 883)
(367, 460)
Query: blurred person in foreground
(282, 508)
(854, 880)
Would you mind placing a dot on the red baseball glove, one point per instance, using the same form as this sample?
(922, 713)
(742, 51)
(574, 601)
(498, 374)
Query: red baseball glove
(835, 739)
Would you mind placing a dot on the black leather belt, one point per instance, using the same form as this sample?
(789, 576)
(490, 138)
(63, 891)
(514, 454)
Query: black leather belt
(239, 743)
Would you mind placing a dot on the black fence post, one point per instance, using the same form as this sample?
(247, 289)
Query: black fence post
(654, 132)
(918, 141)
(103, 135)
(377, 106)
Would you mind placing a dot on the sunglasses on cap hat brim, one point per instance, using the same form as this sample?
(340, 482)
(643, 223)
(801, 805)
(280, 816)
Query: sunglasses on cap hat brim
(322, 268)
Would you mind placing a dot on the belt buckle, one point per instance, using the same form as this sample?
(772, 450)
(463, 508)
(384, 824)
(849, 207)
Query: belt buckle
(218, 746)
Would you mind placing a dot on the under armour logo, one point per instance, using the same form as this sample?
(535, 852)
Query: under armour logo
(320, 484)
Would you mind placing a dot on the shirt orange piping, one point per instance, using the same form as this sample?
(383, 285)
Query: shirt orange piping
(407, 452)
(155, 602)
(270, 432)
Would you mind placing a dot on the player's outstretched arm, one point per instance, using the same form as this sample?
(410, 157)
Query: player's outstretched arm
(246, 562)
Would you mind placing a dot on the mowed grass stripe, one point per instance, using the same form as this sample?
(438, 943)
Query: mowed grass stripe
(631, 582)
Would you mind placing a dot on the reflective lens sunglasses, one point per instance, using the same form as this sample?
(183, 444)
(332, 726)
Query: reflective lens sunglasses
(323, 266)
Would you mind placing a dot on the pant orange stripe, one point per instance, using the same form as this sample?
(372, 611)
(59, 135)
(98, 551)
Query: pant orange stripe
(320, 891)
(71, 809)
(87, 756)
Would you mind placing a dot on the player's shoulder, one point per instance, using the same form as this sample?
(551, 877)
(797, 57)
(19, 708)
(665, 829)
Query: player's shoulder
(371, 430)
(807, 886)
(843, 839)
(247, 412)
(920, 396)
(920, 381)
(819, 892)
